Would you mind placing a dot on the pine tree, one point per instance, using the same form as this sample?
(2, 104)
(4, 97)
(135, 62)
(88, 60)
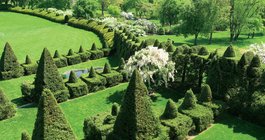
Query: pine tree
(171, 111)
(122, 64)
(81, 49)
(94, 47)
(25, 136)
(229, 52)
(107, 68)
(7, 109)
(136, 120)
(72, 78)
(56, 54)
(206, 94)
(28, 60)
(156, 44)
(51, 123)
(92, 73)
(8, 60)
(90, 130)
(70, 52)
(114, 109)
(47, 75)
(189, 101)
(203, 51)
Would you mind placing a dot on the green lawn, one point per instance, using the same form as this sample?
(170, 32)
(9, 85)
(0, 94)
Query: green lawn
(29, 35)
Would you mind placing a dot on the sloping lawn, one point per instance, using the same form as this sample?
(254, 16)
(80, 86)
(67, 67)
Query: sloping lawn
(28, 35)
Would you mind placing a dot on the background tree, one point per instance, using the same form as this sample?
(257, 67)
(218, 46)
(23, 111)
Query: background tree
(104, 5)
(85, 8)
(169, 12)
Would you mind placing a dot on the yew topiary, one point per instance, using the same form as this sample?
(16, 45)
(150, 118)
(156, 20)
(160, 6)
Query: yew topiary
(56, 54)
(51, 123)
(94, 47)
(229, 52)
(25, 136)
(189, 101)
(114, 109)
(28, 60)
(122, 64)
(81, 49)
(72, 78)
(92, 73)
(90, 130)
(47, 75)
(203, 51)
(156, 44)
(7, 109)
(255, 61)
(70, 52)
(136, 120)
(107, 68)
(206, 94)
(171, 110)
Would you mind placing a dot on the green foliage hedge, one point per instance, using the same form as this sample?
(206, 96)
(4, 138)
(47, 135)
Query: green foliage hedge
(113, 78)
(73, 59)
(29, 68)
(7, 109)
(77, 89)
(95, 83)
(60, 62)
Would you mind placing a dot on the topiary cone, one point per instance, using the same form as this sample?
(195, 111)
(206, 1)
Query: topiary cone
(81, 49)
(70, 52)
(94, 47)
(25, 136)
(90, 130)
(72, 78)
(229, 52)
(189, 101)
(122, 64)
(156, 44)
(206, 93)
(107, 68)
(114, 109)
(56, 54)
(7, 109)
(171, 111)
(255, 61)
(28, 60)
(8, 60)
(203, 51)
(51, 123)
(92, 73)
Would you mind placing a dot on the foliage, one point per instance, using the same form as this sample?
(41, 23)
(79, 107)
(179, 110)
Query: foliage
(259, 49)
(114, 10)
(169, 12)
(151, 62)
(229, 52)
(114, 109)
(72, 78)
(25, 136)
(84, 8)
(7, 109)
(51, 123)
(107, 69)
(189, 101)
(91, 131)
(206, 94)
(171, 110)
(136, 119)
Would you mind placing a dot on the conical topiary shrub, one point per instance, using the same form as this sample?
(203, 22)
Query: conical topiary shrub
(107, 68)
(56, 54)
(255, 61)
(72, 78)
(170, 48)
(28, 60)
(25, 136)
(94, 47)
(70, 52)
(81, 49)
(189, 101)
(203, 51)
(122, 64)
(51, 123)
(136, 120)
(92, 73)
(8, 60)
(7, 109)
(229, 52)
(156, 44)
(206, 94)
(114, 109)
(47, 75)
(171, 110)
(161, 46)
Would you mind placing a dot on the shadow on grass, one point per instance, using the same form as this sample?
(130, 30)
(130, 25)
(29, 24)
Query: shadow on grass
(168, 93)
(115, 97)
(113, 61)
(19, 101)
(241, 126)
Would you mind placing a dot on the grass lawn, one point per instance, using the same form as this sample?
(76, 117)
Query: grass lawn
(220, 41)
(29, 35)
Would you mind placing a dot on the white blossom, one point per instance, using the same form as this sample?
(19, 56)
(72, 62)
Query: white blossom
(259, 49)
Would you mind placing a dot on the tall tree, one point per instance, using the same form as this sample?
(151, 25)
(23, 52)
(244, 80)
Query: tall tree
(169, 12)
(104, 5)
(51, 123)
(136, 120)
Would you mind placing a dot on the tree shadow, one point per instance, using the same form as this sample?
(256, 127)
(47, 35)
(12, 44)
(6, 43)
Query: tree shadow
(115, 97)
(19, 101)
(169, 93)
(241, 126)
(113, 61)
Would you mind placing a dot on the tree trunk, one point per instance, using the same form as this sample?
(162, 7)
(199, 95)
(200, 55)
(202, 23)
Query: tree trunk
(236, 37)
(248, 35)
(253, 34)
(231, 37)
(211, 38)
(196, 39)
(102, 9)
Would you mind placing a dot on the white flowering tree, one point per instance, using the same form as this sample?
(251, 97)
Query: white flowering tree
(153, 64)
(259, 49)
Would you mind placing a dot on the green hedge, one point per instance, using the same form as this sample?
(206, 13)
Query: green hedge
(73, 59)
(77, 89)
(60, 62)
(96, 54)
(94, 84)
(113, 78)
(179, 127)
(217, 107)
(5, 75)
(202, 116)
(29, 68)
(85, 56)
(62, 95)
(27, 90)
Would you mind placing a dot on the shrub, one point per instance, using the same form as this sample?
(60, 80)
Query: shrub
(135, 119)
(203, 51)
(48, 76)
(106, 69)
(9, 65)
(75, 86)
(27, 90)
(51, 122)
(7, 109)
(97, 54)
(114, 109)
(161, 31)
(25, 136)
(29, 67)
(112, 77)
(114, 10)
(171, 111)
(156, 44)
(206, 94)
(229, 52)
(189, 101)
(73, 58)
(84, 9)
(91, 131)
(122, 64)
(59, 61)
